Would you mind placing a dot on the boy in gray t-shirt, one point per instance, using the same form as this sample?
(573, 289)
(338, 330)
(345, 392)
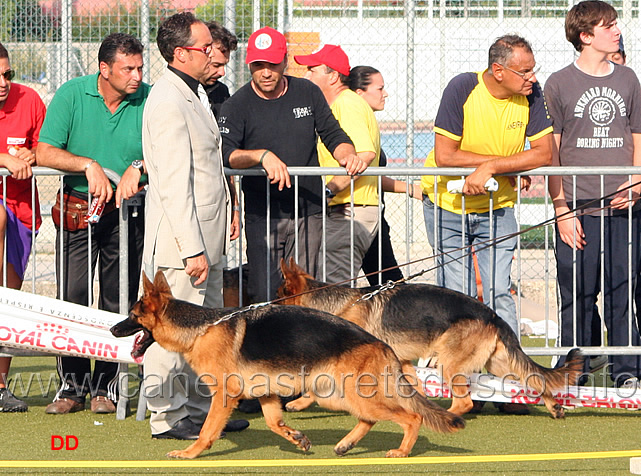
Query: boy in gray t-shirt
(595, 108)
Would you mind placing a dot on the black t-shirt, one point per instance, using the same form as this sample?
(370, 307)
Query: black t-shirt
(288, 127)
(217, 93)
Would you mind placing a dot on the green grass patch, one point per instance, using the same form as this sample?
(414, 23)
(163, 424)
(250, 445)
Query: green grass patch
(27, 436)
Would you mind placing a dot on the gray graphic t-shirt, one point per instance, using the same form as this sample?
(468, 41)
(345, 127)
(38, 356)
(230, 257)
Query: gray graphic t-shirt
(596, 117)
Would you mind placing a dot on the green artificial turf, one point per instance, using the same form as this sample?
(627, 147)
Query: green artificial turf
(27, 436)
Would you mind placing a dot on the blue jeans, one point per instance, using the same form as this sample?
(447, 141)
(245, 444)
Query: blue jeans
(456, 271)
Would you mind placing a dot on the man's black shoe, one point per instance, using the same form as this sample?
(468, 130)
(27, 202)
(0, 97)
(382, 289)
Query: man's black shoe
(249, 406)
(236, 425)
(185, 429)
(10, 403)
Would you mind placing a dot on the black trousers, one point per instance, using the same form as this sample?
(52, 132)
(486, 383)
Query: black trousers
(587, 328)
(76, 379)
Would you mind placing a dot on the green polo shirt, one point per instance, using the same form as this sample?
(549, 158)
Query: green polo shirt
(78, 120)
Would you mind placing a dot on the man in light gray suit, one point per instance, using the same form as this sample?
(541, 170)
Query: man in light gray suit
(187, 214)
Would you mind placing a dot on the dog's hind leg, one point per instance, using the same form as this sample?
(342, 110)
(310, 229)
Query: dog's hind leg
(300, 403)
(411, 423)
(274, 420)
(353, 437)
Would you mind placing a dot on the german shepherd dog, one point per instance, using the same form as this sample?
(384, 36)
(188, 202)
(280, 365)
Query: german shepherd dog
(425, 321)
(283, 350)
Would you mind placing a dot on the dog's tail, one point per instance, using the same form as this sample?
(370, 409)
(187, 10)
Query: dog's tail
(434, 417)
(535, 376)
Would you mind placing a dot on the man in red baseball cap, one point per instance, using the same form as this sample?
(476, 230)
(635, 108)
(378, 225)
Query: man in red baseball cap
(272, 122)
(329, 69)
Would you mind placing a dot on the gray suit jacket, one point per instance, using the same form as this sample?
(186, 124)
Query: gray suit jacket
(187, 207)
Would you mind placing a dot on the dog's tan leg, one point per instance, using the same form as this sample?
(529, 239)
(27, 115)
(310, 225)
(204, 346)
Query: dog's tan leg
(300, 403)
(211, 430)
(353, 437)
(411, 423)
(461, 400)
(274, 420)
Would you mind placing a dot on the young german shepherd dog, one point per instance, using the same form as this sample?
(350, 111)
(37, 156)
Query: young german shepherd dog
(278, 350)
(425, 321)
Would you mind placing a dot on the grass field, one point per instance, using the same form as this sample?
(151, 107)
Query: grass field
(101, 438)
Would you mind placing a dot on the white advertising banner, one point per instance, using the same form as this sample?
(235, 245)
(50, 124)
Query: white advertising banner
(34, 322)
(494, 389)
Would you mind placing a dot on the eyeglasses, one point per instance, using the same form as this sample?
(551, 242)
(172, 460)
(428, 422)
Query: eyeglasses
(527, 75)
(205, 49)
(8, 74)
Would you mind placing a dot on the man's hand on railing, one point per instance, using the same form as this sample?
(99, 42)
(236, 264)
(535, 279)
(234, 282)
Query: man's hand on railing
(524, 182)
(276, 170)
(99, 185)
(128, 185)
(475, 182)
(19, 168)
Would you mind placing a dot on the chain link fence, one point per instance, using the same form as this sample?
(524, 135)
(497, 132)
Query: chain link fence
(417, 45)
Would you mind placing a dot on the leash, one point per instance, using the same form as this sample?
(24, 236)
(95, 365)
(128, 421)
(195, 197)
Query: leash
(570, 214)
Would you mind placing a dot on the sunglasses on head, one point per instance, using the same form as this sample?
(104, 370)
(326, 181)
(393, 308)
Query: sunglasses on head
(8, 74)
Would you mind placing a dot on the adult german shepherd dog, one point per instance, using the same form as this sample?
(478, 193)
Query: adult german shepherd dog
(425, 321)
(280, 350)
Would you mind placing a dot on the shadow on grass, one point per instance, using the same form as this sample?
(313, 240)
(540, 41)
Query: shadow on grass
(375, 444)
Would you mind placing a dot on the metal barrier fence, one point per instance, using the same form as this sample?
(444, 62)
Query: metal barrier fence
(418, 45)
(533, 269)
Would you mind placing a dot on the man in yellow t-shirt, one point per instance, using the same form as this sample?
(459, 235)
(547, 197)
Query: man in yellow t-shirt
(483, 122)
(329, 70)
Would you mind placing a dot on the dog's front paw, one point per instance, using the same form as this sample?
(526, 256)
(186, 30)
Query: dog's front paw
(302, 441)
(396, 454)
(340, 450)
(558, 412)
(180, 454)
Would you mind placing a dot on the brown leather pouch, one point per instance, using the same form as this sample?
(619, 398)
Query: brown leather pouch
(75, 212)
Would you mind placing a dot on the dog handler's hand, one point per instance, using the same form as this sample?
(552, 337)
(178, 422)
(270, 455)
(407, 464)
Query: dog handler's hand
(128, 186)
(99, 184)
(353, 164)
(276, 170)
(197, 267)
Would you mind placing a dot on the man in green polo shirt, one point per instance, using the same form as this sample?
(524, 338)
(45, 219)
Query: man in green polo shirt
(95, 123)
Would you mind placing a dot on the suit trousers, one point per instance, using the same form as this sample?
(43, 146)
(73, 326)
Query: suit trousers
(75, 372)
(171, 386)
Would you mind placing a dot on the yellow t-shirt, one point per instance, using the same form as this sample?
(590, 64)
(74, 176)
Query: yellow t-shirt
(485, 125)
(357, 119)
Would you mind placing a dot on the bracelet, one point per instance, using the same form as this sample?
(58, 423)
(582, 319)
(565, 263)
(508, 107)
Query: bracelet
(260, 162)
(89, 164)
(235, 208)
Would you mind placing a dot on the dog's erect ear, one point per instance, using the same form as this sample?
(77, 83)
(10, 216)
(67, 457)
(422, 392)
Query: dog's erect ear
(147, 286)
(160, 283)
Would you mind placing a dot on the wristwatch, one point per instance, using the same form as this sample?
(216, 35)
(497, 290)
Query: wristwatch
(137, 164)
(328, 193)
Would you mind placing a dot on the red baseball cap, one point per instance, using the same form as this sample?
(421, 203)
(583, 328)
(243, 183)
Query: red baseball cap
(266, 44)
(329, 55)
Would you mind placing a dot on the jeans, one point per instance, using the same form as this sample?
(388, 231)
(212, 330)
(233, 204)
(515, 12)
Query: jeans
(456, 271)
